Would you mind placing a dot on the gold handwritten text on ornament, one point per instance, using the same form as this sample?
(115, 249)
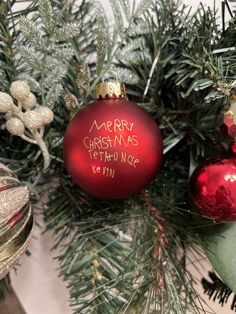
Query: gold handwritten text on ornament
(122, 157)
(105, 171)
(106, 142)
(116, 125)
(111, 147)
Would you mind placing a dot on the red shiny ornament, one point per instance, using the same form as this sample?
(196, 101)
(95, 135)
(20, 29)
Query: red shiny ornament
(228, 127)
(112, 148)
(232, 147)
(213, 188)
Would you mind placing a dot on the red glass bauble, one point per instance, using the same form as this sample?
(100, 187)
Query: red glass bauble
(232, 147)
(213, 188)
(112, 148)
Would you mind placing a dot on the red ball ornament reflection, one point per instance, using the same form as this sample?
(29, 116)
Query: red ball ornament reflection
(213, 188)
(112, 147)
(232, 147)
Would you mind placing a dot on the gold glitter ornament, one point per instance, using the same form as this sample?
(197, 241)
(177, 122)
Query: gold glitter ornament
(6, 102)
(33, 119)
(30, 102)
(46, 114)
(26, 119)
(11, 202)
(15, 126)
(16, 220)
(20, 90)
(3, 8)
(72, 104)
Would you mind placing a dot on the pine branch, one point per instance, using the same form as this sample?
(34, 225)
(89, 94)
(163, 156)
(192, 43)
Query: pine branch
(31, 57)
(117, 13)
(130, 53)
(53, 94)
(142, 7)
(66, 32)
(83, 45)
(91, 262)
(6, 48)
(48, 51)
(4, 288)
(47, 15)
(3, 77)
(31, 33)
(109, 258)
(125, 5)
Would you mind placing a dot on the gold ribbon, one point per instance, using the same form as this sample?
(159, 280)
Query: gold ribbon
(8, 264)
(16, 243)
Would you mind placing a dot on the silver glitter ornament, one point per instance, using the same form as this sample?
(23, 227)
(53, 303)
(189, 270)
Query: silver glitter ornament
(16, 220)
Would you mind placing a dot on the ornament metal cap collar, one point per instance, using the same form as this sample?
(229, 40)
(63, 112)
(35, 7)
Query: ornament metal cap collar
(110, 90)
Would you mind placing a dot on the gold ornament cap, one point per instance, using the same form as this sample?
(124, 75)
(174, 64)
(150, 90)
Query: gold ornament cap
(110, 90)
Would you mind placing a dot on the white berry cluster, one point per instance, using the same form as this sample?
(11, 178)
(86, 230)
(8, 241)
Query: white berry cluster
(26, 118)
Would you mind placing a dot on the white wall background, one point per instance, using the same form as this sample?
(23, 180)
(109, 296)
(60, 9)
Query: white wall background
(37, 284)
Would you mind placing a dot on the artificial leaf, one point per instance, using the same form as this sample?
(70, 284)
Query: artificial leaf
(47, 15)
(30, 32)
(219, 244)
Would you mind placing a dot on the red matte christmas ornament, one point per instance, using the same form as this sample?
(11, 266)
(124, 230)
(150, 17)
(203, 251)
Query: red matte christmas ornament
(112, 147)
(213, 188)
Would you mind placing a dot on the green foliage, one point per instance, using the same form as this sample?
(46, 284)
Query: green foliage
(46, 61)
(142, 6)
(107, 253)
(6, 52)
(125, 4)
(109, 41)
(2, 74)
(48, 51)
(4, 288)
(31, 33)
(47, 16)
(117, 13)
